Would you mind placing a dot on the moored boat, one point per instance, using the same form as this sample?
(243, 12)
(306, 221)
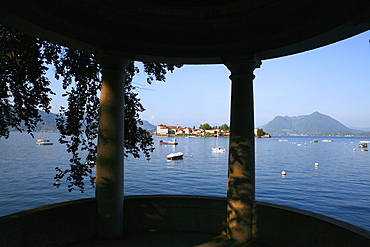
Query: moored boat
(43, 141)
(173, 142)
(218, 150)
(363, 144)
(175, 156)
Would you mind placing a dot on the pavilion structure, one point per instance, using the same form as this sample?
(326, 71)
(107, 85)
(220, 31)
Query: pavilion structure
(237, 33)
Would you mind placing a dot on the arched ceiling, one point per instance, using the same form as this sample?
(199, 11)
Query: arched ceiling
(190, 31)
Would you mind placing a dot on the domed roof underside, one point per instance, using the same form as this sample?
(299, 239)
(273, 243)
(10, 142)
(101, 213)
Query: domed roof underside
(191, 31)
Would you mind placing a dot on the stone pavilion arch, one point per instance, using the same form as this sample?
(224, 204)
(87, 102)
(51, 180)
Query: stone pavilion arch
(237, 33)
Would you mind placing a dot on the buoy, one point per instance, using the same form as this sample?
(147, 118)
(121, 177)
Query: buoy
(283, 173)
(316, 164)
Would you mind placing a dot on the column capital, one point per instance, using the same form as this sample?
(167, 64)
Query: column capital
(242, 65)
(112, 60)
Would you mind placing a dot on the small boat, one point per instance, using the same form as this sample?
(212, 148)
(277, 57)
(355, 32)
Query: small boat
(364, 149)
(175, 156)
(326, 141)
(218, 150)
(314, 141)
(363, 144)
(173, 142)
(43, 141)
(283, 140)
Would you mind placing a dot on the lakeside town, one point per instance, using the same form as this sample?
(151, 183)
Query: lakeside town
(164, 130)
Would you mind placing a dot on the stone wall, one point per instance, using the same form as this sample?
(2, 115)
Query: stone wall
(50, 225)
(278, 225)
(274, 225)
(174, 213)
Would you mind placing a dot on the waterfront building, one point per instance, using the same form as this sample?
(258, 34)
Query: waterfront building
(165, 130)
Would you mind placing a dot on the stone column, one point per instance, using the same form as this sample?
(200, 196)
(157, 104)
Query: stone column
(241, 170)
(109, 169)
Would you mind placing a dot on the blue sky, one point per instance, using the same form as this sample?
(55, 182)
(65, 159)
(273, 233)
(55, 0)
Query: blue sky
(333, 80)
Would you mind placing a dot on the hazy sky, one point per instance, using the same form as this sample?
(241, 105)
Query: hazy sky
(333, 80)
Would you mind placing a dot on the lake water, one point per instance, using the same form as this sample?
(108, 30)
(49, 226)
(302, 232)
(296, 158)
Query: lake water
(339, 187)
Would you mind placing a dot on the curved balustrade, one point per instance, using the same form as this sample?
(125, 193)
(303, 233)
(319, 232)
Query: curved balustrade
(273, 225)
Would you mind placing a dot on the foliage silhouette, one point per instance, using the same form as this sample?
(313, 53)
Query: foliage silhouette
(25, 89)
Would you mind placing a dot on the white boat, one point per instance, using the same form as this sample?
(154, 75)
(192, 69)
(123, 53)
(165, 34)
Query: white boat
(43, 141)
(175, 156)
(326, 141)
(218, 150)
(283, 140)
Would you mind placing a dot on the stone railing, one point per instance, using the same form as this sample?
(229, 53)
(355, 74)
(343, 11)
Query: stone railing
(274, 225)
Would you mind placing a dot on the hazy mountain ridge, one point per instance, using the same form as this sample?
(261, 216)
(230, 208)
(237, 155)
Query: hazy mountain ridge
(313, 124)
(148, 126)
(50, 123)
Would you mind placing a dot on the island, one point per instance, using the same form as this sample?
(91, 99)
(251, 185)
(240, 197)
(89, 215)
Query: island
(222, 131)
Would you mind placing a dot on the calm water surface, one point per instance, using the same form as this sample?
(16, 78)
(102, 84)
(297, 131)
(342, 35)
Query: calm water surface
(339, 187)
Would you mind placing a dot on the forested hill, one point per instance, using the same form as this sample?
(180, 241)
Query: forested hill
(50, 123)
(314, 124)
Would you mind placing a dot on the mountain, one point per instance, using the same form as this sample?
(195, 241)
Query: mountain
(148, 126)
(314, 124)
(50, 123)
